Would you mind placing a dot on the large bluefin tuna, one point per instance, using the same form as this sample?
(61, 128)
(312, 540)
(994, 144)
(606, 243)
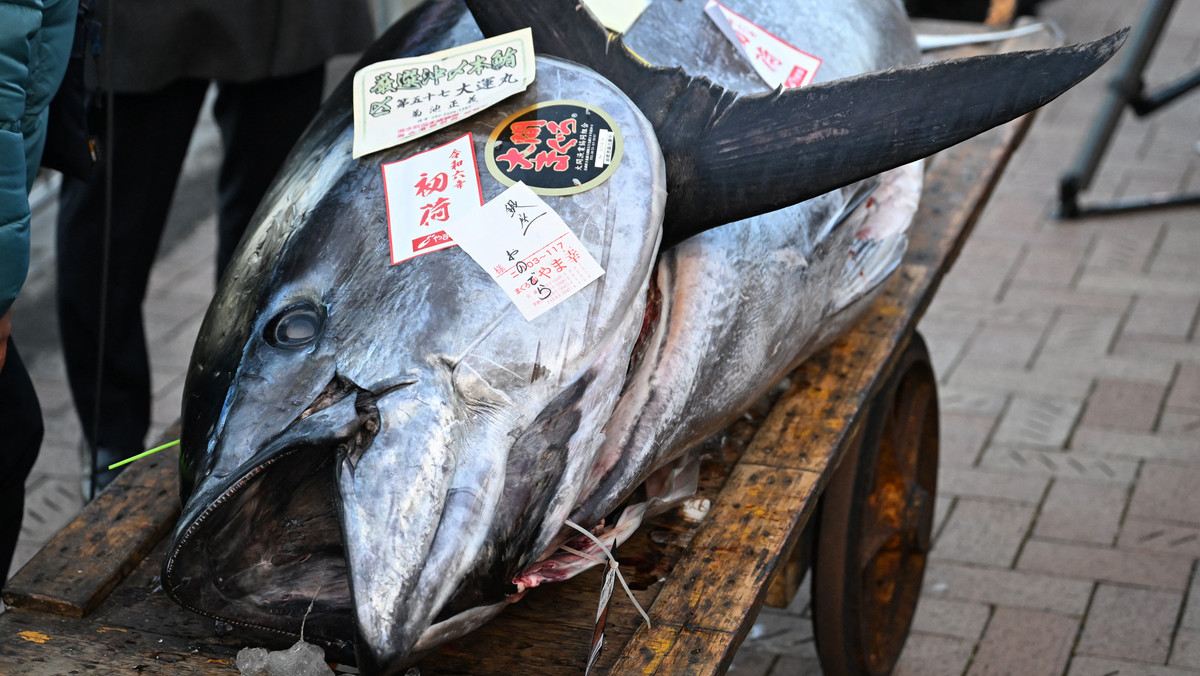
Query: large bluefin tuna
(389, 453)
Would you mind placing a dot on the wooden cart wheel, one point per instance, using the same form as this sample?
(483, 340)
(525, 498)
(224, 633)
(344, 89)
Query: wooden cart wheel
(875, 523)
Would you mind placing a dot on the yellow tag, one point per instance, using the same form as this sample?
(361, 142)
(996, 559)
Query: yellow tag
(399, 100)
(616, 15)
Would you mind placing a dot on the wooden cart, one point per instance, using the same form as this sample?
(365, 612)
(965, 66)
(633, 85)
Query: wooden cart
(850, 440)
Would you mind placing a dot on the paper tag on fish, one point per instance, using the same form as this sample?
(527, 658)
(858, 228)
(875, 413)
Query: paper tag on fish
(616, 15)
(556, 147)
(610, 577)
(426, 191)
(527, 248)
(775, 61)
(399, 100)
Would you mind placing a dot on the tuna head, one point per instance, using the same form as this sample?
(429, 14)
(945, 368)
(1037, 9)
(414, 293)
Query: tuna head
(395, 442)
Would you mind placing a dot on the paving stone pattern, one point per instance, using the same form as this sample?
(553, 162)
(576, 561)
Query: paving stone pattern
(1068, 516)
(1068, 523)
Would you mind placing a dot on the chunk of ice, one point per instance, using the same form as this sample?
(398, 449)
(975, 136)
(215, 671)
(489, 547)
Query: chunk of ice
(252, 661)
(302, 659)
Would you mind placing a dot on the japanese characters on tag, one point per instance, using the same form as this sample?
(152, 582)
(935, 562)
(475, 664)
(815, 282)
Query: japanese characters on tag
(527, 248)
(555, 147)
(402, 99)
(775, 61)
(426, 191)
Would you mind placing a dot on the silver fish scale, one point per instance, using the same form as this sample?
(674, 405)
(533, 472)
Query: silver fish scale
(761, 294)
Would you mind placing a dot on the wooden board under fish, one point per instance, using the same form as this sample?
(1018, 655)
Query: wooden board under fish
(91, 598)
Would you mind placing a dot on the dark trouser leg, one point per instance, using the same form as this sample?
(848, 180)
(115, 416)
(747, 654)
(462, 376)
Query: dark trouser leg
(151, 138)
(260, 122)
(20, 439)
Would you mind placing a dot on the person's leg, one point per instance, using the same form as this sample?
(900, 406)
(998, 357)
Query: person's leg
(260, 122)
(151, 133)
(21, 435)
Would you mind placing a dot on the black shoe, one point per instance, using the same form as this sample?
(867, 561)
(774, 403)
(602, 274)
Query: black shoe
(104, 456)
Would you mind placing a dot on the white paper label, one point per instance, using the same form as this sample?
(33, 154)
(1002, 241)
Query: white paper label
(426, 191)
(607, 141)
(616, 15)
(775, 61)
(527, 248)
(403, 99)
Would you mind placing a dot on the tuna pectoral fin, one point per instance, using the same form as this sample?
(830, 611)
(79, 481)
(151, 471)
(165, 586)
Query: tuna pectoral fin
(731, 157)
(759, 153)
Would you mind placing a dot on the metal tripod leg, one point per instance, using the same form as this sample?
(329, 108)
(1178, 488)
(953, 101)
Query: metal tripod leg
(1126, 89)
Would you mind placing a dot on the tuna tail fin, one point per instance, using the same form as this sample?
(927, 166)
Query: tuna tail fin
(730, 157)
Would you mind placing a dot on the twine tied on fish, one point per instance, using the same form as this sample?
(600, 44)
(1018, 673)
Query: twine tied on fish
(612, 572)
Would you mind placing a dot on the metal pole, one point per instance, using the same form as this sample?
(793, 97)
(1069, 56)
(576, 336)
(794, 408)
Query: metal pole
(1126, 86)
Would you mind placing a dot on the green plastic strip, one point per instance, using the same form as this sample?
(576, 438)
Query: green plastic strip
(139, 456)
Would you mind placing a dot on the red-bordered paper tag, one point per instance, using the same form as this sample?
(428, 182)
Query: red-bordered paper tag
(775, 61)
(426, 191)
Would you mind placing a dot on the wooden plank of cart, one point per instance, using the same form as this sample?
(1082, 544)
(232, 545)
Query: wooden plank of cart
(854, 430)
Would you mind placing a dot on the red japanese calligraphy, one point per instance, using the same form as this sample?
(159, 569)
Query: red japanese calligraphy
(550, 158)
(557, 144)
(560, 129)
(424, 186)
(526, 133)
(515, 159)
(456, 166)
(437, 211)
(769, 60)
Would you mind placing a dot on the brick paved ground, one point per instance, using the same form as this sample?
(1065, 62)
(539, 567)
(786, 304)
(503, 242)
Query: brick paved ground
(1069, 500)
(1069, 511)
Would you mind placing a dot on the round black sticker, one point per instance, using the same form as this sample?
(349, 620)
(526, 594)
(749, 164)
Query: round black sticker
(555, 148)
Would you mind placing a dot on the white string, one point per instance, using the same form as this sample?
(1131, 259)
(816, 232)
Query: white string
(613, 564)
(310, 607)
(581, 554)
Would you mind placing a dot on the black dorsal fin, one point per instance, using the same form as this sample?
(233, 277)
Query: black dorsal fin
(731, 157)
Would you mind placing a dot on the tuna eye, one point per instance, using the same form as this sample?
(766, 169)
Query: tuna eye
(295, 327)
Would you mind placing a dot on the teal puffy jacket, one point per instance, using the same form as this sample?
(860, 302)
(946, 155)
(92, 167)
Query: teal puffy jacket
(35, 42)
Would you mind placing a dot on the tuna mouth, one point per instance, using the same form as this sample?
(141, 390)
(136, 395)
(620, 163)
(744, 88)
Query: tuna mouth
(266, 541)
(266, 548)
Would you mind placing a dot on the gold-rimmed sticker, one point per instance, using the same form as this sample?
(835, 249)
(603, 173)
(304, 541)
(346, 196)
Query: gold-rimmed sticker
(555, 147)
